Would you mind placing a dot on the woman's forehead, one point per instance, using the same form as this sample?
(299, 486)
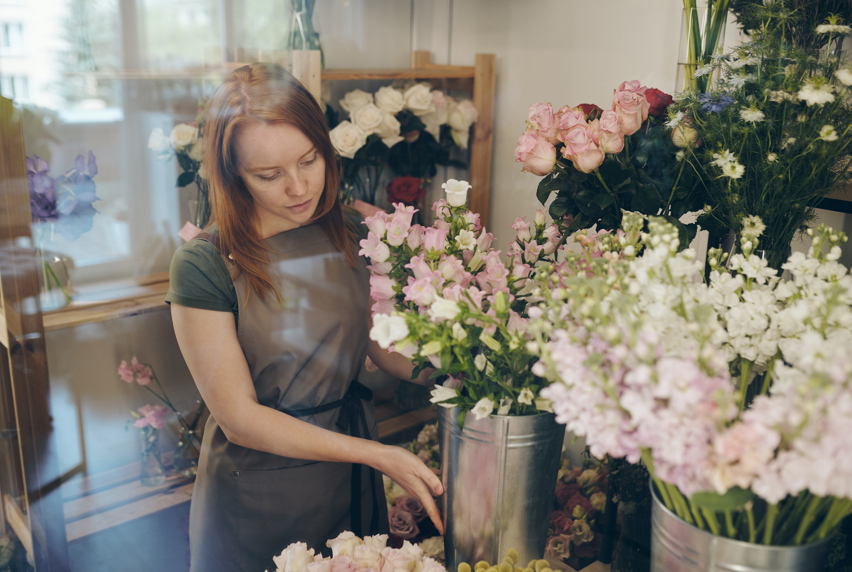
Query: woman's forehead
(259, 145)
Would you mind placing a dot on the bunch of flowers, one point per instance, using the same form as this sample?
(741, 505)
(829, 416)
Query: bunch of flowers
(61, 205)
(599, 162)
(350, 553)
(426, 446)
(772, 136)
(445, 298)
(580, 501)
(412, 130)
(644, 351)
(186, 143)
(189, 441)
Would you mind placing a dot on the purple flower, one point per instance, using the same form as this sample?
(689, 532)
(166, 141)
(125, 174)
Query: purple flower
(42, 190)
(713, 103)
(402, 524)
(411, 505)
(75, 195)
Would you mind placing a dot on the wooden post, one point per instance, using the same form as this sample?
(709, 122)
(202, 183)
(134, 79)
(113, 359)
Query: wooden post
(483, 134)
(420, 59)
(27, 356)
(307, 68)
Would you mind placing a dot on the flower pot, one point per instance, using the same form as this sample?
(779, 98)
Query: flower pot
(152, 471)
(499, 477)
(677, 546)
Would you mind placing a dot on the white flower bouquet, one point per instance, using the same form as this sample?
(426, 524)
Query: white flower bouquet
(350, 553)
(773, 136)
(651, 363)
(445, 298)
(410, 129)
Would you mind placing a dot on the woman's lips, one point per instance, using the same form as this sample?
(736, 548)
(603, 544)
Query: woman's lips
(301, 207)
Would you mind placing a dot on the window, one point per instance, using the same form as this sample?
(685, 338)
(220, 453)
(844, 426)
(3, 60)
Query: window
(11, 38)
(15, 87)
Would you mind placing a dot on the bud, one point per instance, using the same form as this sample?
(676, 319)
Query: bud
(490, 342)
(430, 348)
(501, 302)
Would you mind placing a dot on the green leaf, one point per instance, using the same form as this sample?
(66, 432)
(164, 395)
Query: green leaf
(560, 207)
(731, 500)
(682, 232)
(604, 200)
(462, 415)
(185, 178)
(578, 223)
(549, 184)
(647, 200)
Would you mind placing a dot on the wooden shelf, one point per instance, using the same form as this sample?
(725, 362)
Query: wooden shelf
(129, 298)
(429, 72)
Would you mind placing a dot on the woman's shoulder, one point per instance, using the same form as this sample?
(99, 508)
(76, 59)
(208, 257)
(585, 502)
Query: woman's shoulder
(198, 277)
(356, 219)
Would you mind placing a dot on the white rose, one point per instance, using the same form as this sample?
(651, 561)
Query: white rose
(390, 99)
(368, 117)
(347, 139)
(456, 192)
(344, 544)
(196, 152)
(483, 408)
(294, 558)
(202, 171)
(442, 309)
(441, 393)
(461, 138)
(355, 100)
(430, 121)
(388, 329)
(379, 541)
(389, 130)
(158, 142)
(183, 135)
(462, 115)
(418, 98)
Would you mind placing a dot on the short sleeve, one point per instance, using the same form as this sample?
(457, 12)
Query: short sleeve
(358, 219)
(198, 278)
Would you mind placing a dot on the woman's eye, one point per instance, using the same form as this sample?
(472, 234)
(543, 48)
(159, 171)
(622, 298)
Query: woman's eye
(310, 161)
(268, 178)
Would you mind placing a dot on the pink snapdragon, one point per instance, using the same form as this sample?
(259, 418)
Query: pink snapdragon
(415, 237)
(522, 227)
(377, 223)
(374, 248)
(435, 240)
(403, 214)
(382, 288)
(397, 231)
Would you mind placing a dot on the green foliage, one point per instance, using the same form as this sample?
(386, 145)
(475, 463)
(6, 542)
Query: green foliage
(801, 18)
(733, 499)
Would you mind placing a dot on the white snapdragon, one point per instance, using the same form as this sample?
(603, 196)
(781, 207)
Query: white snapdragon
(441, 394)
(388, 329)
(456, 192)
(483, 408)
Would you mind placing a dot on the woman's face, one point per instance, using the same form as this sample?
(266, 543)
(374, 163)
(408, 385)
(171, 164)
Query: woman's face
(284, 173)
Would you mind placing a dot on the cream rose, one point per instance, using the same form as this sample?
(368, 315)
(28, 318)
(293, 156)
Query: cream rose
(196, 152)
(390, 99)
(368, 118)
(158, 142)
(389, 129)
(347, 139)
(183, 135)
(355, 99)
(344, 544)
(462, 115)
(418, 98)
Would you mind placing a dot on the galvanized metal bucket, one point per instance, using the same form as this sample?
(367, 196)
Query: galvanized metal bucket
(499, 477)
(677, 546)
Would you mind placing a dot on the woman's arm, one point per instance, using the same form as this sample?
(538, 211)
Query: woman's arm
(396, 364)
(208, 341)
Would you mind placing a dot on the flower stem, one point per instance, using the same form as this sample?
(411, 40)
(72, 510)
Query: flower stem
(58, 283)
(806, 521)
(751, 531)
(746, 367)
(729, 525)
(771, 513)
(710, 517)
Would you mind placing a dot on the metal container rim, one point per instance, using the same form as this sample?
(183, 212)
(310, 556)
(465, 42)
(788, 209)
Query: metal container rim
(731, 541)
(493, 415)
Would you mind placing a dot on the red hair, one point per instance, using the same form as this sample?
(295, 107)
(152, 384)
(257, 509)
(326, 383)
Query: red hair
(266, 93)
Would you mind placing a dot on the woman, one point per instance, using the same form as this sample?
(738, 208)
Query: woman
(271, 311)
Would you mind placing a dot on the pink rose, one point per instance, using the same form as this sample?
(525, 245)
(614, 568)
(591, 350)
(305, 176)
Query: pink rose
(634, 86)
(342, 563)
(318, 566)
(381, 288)
(526, 143)
(401, 524)
(435, 239)
(589, 160)
(541, 160)
(559, 546)
(411, 505)
(543, 120)
(366, 556)
(569, 121)
(377, 223)
(632, 108)
(576, 141)
(610, 137)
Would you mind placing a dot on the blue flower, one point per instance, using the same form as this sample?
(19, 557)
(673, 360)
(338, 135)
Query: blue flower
(65, 201)
(42, 190)
(714, 104)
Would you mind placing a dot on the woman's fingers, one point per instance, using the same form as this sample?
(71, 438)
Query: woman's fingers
(421, 491)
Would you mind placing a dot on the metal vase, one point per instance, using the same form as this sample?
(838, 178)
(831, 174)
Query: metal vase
(499, 478)
(677, 546)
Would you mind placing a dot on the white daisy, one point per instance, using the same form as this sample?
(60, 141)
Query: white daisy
(753, 226)
(771, 158)
(815, 94)
(742, 62)
(752, 115)
(737, 81)
(789, 142)
(781, 96)
(827, 133)
(673, 122)
(844, 76)
(704, 70)
(733, 170)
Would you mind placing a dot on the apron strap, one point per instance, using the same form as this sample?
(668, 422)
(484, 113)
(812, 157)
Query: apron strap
(354, 420)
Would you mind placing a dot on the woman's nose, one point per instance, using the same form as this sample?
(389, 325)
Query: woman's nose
(298, 187)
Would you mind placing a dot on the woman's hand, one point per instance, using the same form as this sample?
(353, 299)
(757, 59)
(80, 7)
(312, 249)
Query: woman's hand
(418, 480)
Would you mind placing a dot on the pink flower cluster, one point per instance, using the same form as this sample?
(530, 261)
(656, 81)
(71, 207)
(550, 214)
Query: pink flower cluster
(139, 372)
(627, 396)
(585, 137)
(153, 416)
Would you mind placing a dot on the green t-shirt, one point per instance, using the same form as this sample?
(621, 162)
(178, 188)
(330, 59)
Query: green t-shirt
(198, 277)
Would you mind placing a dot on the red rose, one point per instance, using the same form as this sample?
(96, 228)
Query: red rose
(565, 492)
(578, 500)
(659, 102)
(406, 190)
(561, 522)
(591, 111)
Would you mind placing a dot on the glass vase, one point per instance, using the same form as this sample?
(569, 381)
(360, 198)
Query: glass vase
(696, 35)
(152, 472)
(185, 459)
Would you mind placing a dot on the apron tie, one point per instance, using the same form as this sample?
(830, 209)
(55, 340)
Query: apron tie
(353, 420)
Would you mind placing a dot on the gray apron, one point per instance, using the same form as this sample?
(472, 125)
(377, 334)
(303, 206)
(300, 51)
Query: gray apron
(304, 353)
